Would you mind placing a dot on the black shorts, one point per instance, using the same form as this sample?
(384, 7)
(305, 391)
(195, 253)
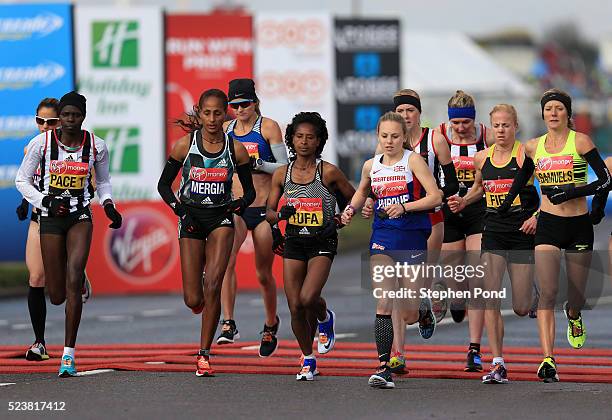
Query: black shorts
(208, 220)
(515, 247)
(55, 225)
(303, 249)
(458, 226)
(253, 216)
(570, 233)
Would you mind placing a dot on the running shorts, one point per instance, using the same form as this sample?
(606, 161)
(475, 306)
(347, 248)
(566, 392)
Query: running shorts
(436, 217)
(458, 226)
(573, 233)
(253, 216)
(303, 249)
(408, 246)
(208, 220)
(516, 247)
(60, 225)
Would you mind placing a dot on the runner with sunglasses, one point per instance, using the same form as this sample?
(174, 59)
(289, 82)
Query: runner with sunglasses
(206, 158)
(263, 140)
(66, 157)
(46, 119)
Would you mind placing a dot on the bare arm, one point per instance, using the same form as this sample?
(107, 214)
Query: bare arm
(276, 190)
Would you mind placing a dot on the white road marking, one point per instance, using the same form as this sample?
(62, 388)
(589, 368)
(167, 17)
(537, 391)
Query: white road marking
(157, 312)
(155, 363)
(94, 372)
(20, 326)
(8, 384)
(114, 318)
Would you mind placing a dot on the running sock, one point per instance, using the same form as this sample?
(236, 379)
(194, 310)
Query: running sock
(499, 360)
(37, 306)
(68, 351)
(383, 332)
(475, 346)
(326, 317)
(204, 352)
(309, 357)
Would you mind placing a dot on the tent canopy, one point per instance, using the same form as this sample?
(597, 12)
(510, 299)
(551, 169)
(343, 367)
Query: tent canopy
(440, 63)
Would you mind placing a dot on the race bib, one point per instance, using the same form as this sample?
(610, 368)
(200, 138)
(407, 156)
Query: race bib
(464, 166)
(309, 211)
(68, 175)
(252, 149)
(555, 170)
(389, 193)
(496, 191)
(208, 181)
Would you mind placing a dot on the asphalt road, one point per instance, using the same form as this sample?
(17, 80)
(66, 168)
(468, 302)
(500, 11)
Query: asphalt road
(164, 319)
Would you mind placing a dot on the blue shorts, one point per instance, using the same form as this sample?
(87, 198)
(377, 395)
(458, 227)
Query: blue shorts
(400, 244)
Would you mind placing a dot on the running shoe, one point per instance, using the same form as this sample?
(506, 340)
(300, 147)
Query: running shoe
(316, 371)
(498, 375)
(308, 370)
(474, 361)
(86, 289)
(203, 367)
(427, 322)
(548, 370)
(269, 342)
(37, 352)
(382, 378)
(397, 364)
(439, 306)
(576, 333)
(327, 333)
(67, 367)
(229, 332)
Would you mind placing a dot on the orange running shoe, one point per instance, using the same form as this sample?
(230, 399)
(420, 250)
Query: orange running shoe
(204, 368)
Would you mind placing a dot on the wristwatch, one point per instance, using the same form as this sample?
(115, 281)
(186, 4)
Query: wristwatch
(259, 163)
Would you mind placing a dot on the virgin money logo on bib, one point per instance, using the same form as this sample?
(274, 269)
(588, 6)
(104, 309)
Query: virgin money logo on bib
(208, 174)
(142, 251)
(252, 149)
(309, 211)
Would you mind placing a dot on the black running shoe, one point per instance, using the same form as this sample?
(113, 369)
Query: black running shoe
(474, 361)
(382, 378)
(548, 370)
(269, 342)
(229, 332)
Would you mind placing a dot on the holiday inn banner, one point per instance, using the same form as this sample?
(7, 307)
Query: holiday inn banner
(120, 72)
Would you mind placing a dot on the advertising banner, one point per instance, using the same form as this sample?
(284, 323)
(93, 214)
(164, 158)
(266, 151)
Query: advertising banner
(203, 52)
(36, 62)
(294, 68)
(120, 72)
(143, 255)
(367, 76)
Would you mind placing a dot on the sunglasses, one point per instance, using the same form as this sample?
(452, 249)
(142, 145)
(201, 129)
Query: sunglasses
(242, 105)
(50, 121)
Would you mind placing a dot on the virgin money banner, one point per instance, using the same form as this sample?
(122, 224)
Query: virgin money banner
(143, 255)
(294, 68)
(35, 62)
(120, 72)
(203, 52)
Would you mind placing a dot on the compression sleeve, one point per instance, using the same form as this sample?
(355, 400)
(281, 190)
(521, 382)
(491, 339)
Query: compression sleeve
(23, 179)
(246, 180)
(102, 173)
(601, 184)
(451, 184)
(164, 185)
(280, 155)
(521, 179)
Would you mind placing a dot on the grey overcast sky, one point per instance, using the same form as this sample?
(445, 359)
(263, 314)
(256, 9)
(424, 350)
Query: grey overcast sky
(474, 17)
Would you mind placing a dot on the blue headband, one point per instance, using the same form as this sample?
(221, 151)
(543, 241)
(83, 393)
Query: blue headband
(466, 112)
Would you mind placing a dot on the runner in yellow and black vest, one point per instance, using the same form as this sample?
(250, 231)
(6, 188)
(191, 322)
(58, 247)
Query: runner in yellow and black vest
(561, 157)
